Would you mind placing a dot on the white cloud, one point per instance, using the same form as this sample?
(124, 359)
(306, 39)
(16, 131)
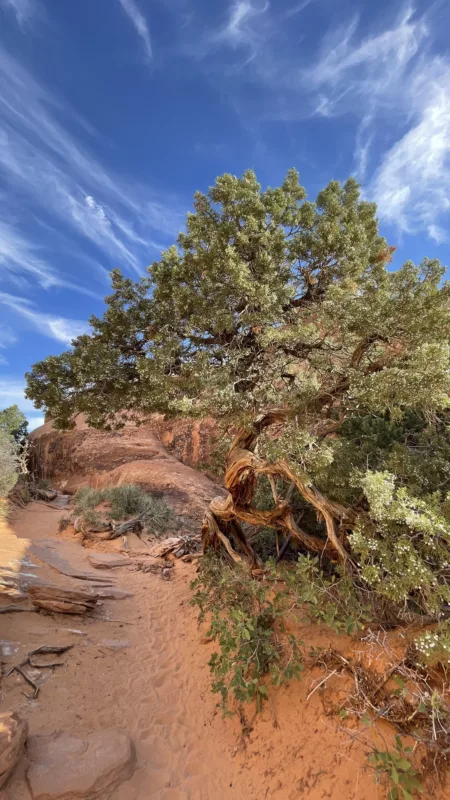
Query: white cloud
(23, 9)
(18, 256)
(12, 392)
(51, 170)
(53, 326)
(393, 82)
(7, 338)
(439, 235)
(239, 29)
(297, 8)
(140, 23)
(371, 67)
(412, 183)
(35, 422)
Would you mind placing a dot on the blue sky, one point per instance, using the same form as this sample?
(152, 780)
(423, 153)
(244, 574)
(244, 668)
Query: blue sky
(113, 112)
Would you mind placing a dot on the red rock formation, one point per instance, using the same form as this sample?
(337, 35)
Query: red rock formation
(134, 454)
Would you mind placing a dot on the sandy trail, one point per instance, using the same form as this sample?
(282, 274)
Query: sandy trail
(157, 689)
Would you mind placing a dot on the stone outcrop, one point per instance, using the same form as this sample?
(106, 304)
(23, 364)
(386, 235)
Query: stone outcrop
(13, 734)
(135, 454)
(68, 767)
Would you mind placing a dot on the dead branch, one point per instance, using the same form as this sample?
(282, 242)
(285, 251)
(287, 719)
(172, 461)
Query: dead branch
(8, 609)
(28, 661)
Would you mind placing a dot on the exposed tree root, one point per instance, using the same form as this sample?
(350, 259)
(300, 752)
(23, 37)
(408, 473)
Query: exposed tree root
(221, 521)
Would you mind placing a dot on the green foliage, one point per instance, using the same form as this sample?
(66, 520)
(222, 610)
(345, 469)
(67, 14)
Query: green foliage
(14, 422)
(9, 463)
(404, 547)
(396, 766)
(333, 600)
(268, 299)
(433, 646)
(246, 622)
(125, 502)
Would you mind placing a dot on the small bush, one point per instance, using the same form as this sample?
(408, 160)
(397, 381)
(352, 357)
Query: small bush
(246, 622)
(398, 769)
(433, 647)
(9, 463)
(125, 501)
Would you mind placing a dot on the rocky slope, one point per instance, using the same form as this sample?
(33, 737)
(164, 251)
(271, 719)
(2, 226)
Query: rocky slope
(159, 456)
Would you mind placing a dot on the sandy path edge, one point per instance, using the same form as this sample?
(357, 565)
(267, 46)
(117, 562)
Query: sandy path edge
(157, 689)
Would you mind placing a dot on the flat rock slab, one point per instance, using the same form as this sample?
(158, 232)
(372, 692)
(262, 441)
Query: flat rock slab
(51, 553)
(108, 560)
(67, 767)
(115, 644)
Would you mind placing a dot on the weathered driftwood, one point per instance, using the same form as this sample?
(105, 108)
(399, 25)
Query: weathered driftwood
(221, 524)
(130, 526)
(166, 546)
(63, 601)
(45, 650)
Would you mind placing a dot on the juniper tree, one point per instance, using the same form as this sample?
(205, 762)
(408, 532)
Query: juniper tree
(283, 318)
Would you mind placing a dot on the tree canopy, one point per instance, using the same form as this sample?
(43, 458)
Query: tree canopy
(14, 422)
(13, 429)
(282, 316)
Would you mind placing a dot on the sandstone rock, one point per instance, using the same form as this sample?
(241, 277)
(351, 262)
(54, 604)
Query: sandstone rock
(108, 560)
(67, 767)
(63, 601)
(115, 644)
(133, 455)
(112, 593)
(13, 733)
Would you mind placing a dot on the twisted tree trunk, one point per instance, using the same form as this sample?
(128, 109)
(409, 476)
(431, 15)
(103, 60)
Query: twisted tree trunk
(221, 522)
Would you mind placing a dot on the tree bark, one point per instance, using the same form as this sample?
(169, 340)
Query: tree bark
(221, 521)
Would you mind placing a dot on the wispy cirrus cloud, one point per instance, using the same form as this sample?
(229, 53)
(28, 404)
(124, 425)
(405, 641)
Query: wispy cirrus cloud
(50, 325)
(241, 26)
(391, 83)
(12, 392)
(40, 159)
(372, 67)
(7, 339)
(140, 24)
(23, 10)
(21, 260)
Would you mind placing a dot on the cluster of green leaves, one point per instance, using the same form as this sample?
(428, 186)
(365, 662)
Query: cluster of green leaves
(14, 422)
(403, 547)
(332, 599)
(13, 428)
(9, 462)
(126, 501)
(396, 766)
(246, 621)
(433, 646)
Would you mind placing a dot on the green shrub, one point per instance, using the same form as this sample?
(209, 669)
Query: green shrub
(396, 766)
(9, 463)
(126, 501)
(247, 623)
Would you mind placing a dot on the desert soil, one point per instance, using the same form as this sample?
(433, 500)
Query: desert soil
(158, 689)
